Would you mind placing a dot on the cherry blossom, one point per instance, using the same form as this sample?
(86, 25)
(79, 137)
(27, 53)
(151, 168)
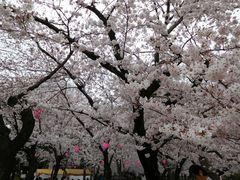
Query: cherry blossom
(162, 78)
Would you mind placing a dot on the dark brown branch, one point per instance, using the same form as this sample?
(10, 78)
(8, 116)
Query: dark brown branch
(175, 25)
(53, 27)
(139, 128)
(168, 11)
(76, 117)
(12, 101)
(110, 13)
(80, 87)
(170, 138)
(4, 131)
(28, 123)
(114, 70)
(90, 54)
(111, 33)
(215, 152)
(206, 110)
(15, 123)
(151, 89)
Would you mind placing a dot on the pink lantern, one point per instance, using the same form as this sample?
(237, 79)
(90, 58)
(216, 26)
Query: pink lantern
(76, 149)
(164, 162)
(138, 163)
(37, 113)
(101, 162)
(105, 146)
(67, 154)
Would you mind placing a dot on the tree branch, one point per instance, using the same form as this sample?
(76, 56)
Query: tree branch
(151, 89)
(80, 87)
(53, 27)
(12, 101)
(76, 117)
(171, 28)
(28, 123)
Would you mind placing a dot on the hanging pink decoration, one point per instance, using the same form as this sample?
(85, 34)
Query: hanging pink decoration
(138, 163)
(67, 154)
(76, 149)
(164, 162)
(105, 146)
(37, 113)
(101, 162)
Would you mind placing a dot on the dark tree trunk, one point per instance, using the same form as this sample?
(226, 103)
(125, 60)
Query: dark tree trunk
(179, 168)
(9, 148)
(57, 167)
(6, 167)
(150, 165)
(148, 157)
(107, 166)
(32, 160)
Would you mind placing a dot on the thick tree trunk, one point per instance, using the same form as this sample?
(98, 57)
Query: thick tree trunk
(32, 160)
(149, 164)
(179, 168)
(5, 152)
(57, 167)
(8, 147)
(6, 167)
(148, 157)
(107, 166)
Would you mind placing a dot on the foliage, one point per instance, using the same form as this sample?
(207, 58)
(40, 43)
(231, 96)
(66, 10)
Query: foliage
(161, 75)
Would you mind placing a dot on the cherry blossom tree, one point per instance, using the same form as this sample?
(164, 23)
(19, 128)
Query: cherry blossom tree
(10, 145)
(164, 72)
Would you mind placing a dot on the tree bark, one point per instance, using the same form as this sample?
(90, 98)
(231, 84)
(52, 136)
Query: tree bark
(107, 168)
(56, 168)
(9, 148)
(148, 157)
(179, 168)
(150, 164)
(32, 160)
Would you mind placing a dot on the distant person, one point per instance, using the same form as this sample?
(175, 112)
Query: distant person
(101, 177)
(38, 178)
(197, 172)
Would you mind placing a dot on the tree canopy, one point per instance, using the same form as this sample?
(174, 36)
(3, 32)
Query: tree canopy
(161, 75)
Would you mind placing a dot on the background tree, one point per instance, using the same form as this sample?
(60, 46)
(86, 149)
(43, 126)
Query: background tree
(163, 72)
